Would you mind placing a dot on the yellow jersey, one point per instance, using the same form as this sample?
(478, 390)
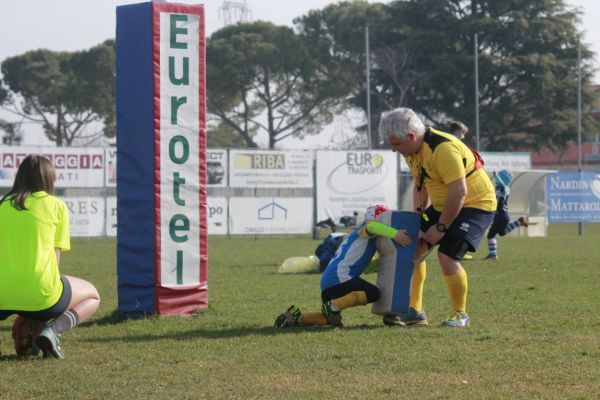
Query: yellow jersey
(443, 159)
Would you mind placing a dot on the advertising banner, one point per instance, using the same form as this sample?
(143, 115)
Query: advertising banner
(495, 161)
(111, 216)
(76, 167)
(258, 215)
(216, 167)
(351, 181)
(110, 165)
(217, 216)
(86, 215)
(573, 197)
(270, 168)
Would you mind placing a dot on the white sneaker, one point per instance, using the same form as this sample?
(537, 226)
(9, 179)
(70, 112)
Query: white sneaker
(457, 320)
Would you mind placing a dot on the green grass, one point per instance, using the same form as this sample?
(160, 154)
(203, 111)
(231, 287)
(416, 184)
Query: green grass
(534, 333)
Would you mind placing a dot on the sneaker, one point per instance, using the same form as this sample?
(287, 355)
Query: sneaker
(393, 320)
(414, 317)
(49, 342)
(467, 257)
(288, 318)
(457, 320)
(333, 315)
(524, 221)
(491, 257)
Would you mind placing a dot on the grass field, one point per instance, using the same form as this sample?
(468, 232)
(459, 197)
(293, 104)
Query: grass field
(534, 334)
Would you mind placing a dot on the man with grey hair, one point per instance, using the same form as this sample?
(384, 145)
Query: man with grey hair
(456, 200)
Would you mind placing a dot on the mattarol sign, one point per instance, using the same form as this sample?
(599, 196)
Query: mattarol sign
(573, 197)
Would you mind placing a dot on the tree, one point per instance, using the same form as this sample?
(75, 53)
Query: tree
(3, 93)
(261, 78)
(12, 134)
(64, 92)
(527, 56)
(422, 56)
(335, 37)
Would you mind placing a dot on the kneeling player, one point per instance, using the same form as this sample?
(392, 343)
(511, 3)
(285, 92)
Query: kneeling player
(341, 285)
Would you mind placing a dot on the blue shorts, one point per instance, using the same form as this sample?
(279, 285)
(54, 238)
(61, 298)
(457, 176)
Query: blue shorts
(469, 226)
(49, 313)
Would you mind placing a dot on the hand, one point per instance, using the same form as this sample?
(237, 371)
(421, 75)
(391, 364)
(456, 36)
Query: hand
(402, 238)
(433, 236)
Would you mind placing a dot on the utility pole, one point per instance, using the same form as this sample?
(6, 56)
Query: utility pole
(368, 67)
(476, 51)
(579, 166)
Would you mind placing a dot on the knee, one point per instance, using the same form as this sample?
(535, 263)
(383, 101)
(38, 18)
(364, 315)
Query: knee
(372, 294)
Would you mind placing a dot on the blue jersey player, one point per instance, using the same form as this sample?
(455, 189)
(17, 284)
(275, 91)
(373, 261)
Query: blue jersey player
(502, 224)
(341, 284)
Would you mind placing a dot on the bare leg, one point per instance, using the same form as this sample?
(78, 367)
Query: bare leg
(85, 299)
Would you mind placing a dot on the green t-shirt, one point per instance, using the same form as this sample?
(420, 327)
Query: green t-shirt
(29, 276)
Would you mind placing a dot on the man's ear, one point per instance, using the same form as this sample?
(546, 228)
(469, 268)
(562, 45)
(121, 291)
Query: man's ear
(411, 136)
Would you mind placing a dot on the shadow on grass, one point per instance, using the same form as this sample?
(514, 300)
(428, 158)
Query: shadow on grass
(16, 358)
(228, 333)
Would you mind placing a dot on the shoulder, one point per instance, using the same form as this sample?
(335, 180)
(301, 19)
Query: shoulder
(52, 202)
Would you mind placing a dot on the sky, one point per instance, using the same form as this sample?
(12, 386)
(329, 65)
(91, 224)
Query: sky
(71, 25)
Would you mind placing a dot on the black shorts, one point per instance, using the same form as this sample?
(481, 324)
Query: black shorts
(353, 285)
(500, 224)
(465, 232)
(49, 313)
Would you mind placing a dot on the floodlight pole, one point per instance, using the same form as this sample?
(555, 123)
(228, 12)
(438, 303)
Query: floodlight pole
(579, 167)
(476, 94)
(368, 67)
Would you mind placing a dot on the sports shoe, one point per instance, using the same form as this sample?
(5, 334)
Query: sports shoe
(49, 342)
(288, 318)
(393, 320)
(457, 320)
(467, 257)
(491, 257)
(333, 315)
(524, 221)
(414, 317)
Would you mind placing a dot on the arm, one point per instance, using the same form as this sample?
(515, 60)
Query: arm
(57, 251)
(457, 192)
(383, 230)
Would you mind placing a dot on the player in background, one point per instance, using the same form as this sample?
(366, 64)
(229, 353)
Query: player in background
(341, 284)
(459, 130)
(35, 230)
(502, 224)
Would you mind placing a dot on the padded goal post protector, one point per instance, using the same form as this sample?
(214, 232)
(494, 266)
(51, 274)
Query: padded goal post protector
(162, 240)
(394, 275)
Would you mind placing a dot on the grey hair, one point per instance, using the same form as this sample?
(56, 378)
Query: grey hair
(399, 122)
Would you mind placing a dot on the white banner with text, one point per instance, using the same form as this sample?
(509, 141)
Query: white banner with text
(256, 215)
(350, 181)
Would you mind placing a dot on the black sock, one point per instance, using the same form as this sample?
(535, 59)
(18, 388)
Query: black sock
(65, 321)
